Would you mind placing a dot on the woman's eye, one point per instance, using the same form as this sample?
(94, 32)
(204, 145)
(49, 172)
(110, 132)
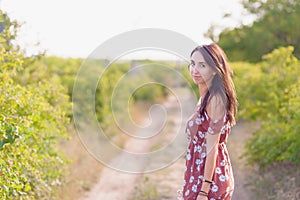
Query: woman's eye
(192, 64)
(202, 65)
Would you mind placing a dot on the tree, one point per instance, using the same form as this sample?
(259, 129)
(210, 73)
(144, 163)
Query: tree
(8, 31)
(277, 25)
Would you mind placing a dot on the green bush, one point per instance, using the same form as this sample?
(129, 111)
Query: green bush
(148, 92)
(247, 79)
(277, 139)
(32, 121)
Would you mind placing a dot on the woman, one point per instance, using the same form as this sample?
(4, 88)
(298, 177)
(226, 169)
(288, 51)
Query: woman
(208, 172)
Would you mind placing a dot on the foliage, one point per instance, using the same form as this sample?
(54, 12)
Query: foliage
(277, 25)
(249, 97)
(8, 31)
(146, 191)
(107, 84)
(277, 141)
(149, 92)
(65, 69)
(32, 121)
(269, 90)
(130, 86)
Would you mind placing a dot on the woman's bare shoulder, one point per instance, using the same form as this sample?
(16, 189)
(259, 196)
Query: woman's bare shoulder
(216, 108)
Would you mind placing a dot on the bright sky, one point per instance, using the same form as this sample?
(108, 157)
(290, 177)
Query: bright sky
(74, 28)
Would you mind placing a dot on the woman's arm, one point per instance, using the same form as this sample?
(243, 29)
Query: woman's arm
(216, 111)
(212, 152)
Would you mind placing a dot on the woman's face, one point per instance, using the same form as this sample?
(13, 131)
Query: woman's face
(200, 71)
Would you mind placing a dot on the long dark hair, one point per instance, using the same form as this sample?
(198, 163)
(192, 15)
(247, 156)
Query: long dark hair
(222, 83)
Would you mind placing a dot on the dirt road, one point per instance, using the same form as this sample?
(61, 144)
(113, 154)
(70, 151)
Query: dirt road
(116, 185)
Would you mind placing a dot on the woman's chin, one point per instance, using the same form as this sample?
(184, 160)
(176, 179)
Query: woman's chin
(196, 81)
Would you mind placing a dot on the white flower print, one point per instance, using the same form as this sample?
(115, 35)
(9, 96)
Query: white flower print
(191, 123)
(214, 188)
(210, 130)
(184, 183)
(201, 135)
(222, 178)
(199, 148)
(203, 155)
(195, 149)
(223, 129)
(195, 140)
(197, 161)
(222, 163)
(194, 188)
(200, 177)
(191, 179)
(187, 192)
(198, 121)
(188, 156)
(198, 182)
(198, 168)
(212, 199)
(218, 170)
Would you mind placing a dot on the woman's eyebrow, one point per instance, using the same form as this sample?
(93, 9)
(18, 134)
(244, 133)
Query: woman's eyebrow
(202, 62)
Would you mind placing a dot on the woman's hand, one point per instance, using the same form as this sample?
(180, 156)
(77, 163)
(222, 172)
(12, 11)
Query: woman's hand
(202, 197)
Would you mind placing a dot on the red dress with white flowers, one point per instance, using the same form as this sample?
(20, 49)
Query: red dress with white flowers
(198, 126)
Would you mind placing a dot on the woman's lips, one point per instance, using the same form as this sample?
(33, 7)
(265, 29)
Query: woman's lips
(196, 76)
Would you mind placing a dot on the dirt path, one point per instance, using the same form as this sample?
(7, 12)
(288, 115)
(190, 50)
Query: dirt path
(236, 141)
(115, 185)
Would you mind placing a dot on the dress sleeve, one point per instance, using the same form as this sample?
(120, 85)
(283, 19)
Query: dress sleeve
(216, 126)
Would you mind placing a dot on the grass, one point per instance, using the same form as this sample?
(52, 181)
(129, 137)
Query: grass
(146, 191)
(276, 182)
(83, 170)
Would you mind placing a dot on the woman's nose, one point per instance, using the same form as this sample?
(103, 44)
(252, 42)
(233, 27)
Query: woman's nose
(193, 70)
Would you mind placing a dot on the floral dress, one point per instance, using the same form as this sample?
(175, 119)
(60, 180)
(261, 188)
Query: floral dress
(198, 126)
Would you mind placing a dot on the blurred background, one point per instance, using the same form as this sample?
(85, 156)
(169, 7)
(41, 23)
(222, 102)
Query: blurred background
(44, 43)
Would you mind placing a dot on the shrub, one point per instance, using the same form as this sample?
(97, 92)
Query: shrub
(277, 140)
(32, 121)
